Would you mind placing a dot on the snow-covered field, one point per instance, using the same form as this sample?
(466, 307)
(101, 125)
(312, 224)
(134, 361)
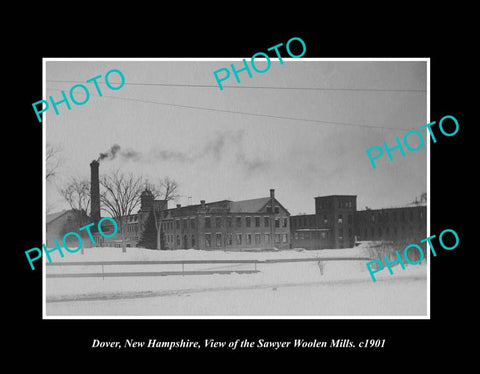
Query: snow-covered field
(279, 289)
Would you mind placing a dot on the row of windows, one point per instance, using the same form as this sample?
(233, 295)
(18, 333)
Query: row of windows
(303, 221)
(299, 235)
(132, 219)
(340, 204)
(379, 232)
(230, 239)
(217, 221)
(171, 238)
(131, 228)
(395, 215)
(247, 239)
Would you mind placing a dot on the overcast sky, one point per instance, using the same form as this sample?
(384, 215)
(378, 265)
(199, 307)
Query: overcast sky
(216, 155)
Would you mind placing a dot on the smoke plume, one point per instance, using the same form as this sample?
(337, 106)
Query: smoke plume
(117, 151)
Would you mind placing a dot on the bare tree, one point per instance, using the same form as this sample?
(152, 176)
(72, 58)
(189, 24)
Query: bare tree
(52, 161)
(168, 189)
(77, 194)
(120, 196)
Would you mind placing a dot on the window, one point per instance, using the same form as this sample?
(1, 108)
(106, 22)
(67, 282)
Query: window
(229, 221)
(373, 232)
(208, 240)
(239, 238)
(257, 221)
(177, 224)
(277, 222)
(218, 221)
(394, 216)
(285, 222)
(229, 239)
(248, 221)
(178, 240)
(238, 221)
(193, 240)
(323, 234)
(294, 223)
(218, 239)
(277, 238)
(192, 223)
(266, 221)
(269, 209)
(296, 235)
(350, 233)
(325, 220)
(379, 232)
(340, 233)
(277, 209)
(340, 219)
(249, 239)
(267, 238)
(350, 219)
(285, 238)
(403, 216)
(365, 233)
(372, 218)
(184, 224)
(257, 238)
(207, 222)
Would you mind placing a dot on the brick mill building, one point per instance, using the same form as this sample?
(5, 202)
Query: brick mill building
(260, 223)
(254, 224)
(337, 224)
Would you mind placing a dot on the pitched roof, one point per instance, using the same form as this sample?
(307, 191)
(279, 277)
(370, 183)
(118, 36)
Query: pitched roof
(248, 206)
(53, 216)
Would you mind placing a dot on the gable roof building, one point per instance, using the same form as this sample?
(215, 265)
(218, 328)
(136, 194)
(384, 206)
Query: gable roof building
(253, 224)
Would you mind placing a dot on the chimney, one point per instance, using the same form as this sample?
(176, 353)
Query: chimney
(272, 193)
(94, 192)
(179, 205)
(202, 204)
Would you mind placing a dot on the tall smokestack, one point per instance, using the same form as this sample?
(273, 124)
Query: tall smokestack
(94, 192)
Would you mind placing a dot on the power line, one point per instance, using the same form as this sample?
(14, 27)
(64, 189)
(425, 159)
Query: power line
(250, 114)
(257, 87)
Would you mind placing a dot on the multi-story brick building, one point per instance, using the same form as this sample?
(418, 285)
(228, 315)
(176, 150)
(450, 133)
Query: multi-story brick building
(261, 223)
(337, 224)
(406, 223)
(332, 225)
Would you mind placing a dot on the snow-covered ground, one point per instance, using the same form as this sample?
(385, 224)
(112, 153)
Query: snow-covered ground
(279, 289)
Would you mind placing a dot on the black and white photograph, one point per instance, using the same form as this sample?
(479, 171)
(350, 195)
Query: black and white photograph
(235, 195)
(172, 194)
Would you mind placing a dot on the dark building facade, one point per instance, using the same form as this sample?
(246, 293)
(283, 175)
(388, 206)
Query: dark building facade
(337, 224)
(407, 223)
(332, 225)
(261, 223)
(257, 224)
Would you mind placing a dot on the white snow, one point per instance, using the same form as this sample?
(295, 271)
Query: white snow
(290, 289)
